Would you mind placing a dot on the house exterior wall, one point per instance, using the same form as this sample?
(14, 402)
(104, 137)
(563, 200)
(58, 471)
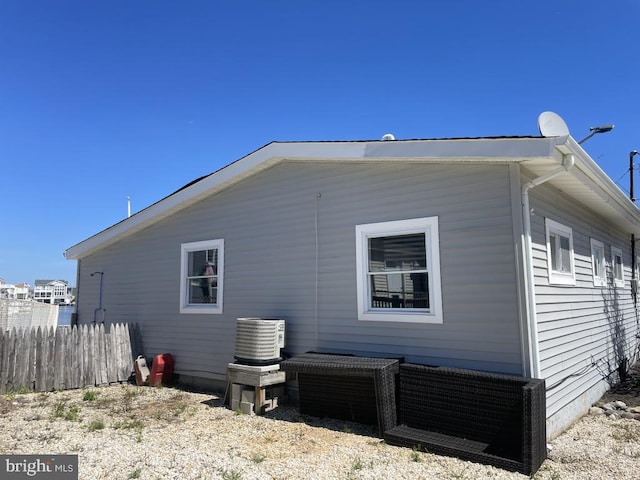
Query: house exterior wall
(584, 330)
(289, 235)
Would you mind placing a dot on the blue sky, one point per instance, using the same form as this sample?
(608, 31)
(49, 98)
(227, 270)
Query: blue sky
(106, 99)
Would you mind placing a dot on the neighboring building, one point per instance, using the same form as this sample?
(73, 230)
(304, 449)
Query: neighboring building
(52, 291)
(7, 290)
(508, 254)
(17, 310)
(10, 291)
(22, 291)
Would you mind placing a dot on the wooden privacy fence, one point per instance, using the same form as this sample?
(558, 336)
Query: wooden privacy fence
(45, 359)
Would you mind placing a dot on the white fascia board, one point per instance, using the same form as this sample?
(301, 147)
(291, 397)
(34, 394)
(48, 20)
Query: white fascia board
(475, 149)
(446, 150)
(232, 173)
(621, 209)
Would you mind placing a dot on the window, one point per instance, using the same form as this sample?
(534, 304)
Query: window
(201, 277)
(597, 262)
(636, 276)
(398, 271)
(559, 253)
(617, 267)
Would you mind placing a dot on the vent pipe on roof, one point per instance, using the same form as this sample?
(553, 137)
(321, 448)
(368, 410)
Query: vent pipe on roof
(387, 137)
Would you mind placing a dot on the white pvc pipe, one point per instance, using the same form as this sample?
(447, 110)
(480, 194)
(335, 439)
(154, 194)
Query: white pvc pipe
(534, 355)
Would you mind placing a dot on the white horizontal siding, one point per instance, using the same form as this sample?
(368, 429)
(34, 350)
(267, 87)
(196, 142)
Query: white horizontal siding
(269, 223)
(584, 331)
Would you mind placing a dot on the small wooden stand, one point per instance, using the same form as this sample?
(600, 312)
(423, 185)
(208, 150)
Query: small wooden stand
(259, 377)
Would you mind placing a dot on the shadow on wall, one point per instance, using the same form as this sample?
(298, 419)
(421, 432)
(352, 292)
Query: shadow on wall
(616, 360)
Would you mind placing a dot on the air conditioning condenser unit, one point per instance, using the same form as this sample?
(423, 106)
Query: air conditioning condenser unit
(259, 341)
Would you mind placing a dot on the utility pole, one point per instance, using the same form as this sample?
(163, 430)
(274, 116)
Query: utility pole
(634, 266)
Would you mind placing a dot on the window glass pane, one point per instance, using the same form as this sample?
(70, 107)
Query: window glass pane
(400, 290)
(597, 261)
(553, 243)
(618, 267)
(397, 253)
(202, 276)
(560, 253)
(202, 292)
(198, 260)
(565, 252)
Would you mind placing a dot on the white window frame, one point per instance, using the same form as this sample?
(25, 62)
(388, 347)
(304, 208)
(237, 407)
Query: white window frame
(635, 276)
(200, 308)
(557, 277)
(618, 280)
(426, 225)
(599, 277)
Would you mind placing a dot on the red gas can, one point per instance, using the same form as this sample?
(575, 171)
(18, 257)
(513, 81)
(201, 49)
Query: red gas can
(161, 370)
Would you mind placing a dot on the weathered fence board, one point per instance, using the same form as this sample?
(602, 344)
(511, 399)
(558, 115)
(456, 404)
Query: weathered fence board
(101, 367)
(33, 355)
(58, 359)
(11, 360)
(41, 358)
(50, 364)
(44, 359)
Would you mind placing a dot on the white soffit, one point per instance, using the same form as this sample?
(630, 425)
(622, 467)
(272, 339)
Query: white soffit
(587, 183)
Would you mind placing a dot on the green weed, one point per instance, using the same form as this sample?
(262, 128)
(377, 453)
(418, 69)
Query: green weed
(90, 395)
(461, 475)
(135, 474)
(625, 432)
(416, 456)
(96, 425)
(231, 475)
(258, 458)
(70, 413)
(12, 394)
(42, 399)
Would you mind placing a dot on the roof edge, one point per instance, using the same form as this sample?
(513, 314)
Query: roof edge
(445, 150)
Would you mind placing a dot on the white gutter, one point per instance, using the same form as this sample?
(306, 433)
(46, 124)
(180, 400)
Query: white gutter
(568, 162)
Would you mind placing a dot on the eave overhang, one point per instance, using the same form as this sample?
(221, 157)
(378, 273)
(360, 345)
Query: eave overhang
(587, 183)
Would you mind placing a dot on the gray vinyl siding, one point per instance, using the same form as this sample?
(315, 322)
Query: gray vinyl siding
(583, 330)
(275, 268)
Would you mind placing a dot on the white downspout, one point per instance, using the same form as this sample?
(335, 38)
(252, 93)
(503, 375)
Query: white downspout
(568, 162)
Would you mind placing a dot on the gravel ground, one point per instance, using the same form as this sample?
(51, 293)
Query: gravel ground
(124, 431)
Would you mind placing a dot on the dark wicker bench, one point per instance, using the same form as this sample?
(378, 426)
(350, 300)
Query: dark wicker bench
(487, 418)
(358, 389)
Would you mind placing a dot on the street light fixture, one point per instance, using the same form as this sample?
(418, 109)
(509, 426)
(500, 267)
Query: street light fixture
(594, 130)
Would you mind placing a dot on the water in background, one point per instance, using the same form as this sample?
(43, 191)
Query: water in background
(64, 314)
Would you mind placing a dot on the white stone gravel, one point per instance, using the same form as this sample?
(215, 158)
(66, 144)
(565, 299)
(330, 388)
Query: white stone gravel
(168, 433)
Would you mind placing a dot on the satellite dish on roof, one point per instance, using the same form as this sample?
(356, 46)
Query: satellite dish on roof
(552, 125)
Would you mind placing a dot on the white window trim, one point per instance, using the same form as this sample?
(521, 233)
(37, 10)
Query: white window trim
(206, 308)
(615, 251)
(598, 280)
(555, 277)
(635, 278)
(426, 225)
